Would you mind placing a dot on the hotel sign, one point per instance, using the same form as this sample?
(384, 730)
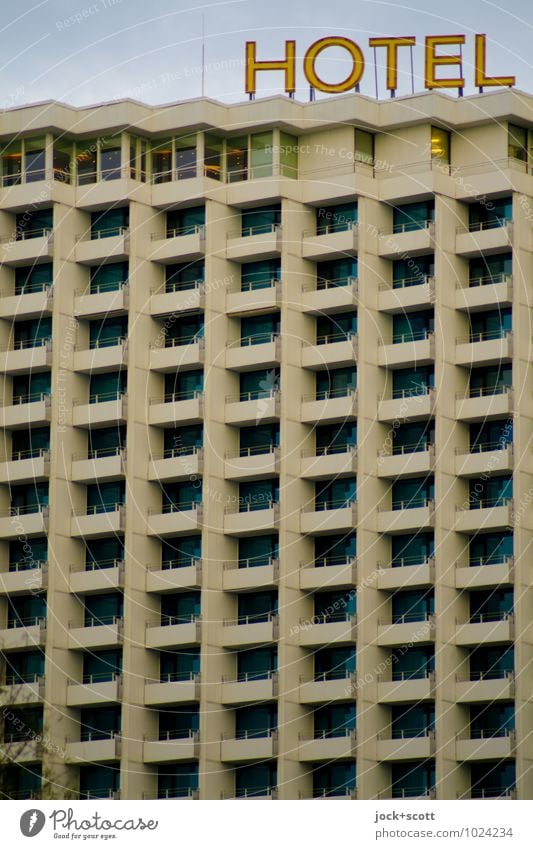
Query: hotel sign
(435, 61)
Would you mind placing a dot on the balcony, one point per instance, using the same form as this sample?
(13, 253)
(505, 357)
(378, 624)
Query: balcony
(329, 573)
(411, 793)
(176, 408)
(30, 247)
(26, 466)
(26, 411)
(251, 519)
(95, 633)
(260, 462)
(324, 688)
(182, 688)
(176, 354)
(23, 634)
(247, 575)
(101, 464)
(324, 296)
(252, 747)
(109, 188)
(103, 246)
(250, 630)
(326, 747)
(21, 748)
(176, 464)
(484, 348)
(332, 242)
(102, 302)
(254, 243)
(408, 461)
(254, 352)
(409, 239)
(408, 349)
(95, 690)
(29, 355)
(491, 402)
(494, 456)
(32, 301)
(485, 628)
(99, 520)
(484, 572)
(406, 573)
(184, 244)
(22, 691)
(172, 748)
(329, 462)
(491, 513)
(406, 295)
(96, 747)
(413, 405)
(173, 632)
(175, 520)
(246, 689)
(338, 628)
(329, 407)
(491, 744)
(405, 746)
(329, 517)
(252, 297)
(102, 355)
(406, 687)
(107, 408)
(408, 629)
(30, 521)
(485, 238)
(174, 575)
(335, 350)
(482, 293)
(251, 408)
(102, 576)
(26, 576)
(410, 515)
(172, 299)
(489, 686)
(184, 185)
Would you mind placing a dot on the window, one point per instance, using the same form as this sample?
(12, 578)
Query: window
(490, 269)
(86, 161)
(412, 779)
(487, 663)
(108, 278)
(490, 492)
(410, 327)
(110, 159)
(336, 272)
(335, 219)
(288, 155)
(492, 779)
(26, 610)
(183, 222)
(490, 548)
(412, 216)
(103, 553)
(258, 495)
(364, 147)
(491, 605)
(411, 605)
(179, 665)
(334, 550)
(102, 665)
(105, 497)
(185, 154)
(440, 145)
(106, 441)
(29, 443)
(182, 440)
(181, 496)
(490, 214)
(256, 664)
(108, 332)
(12, 164)
(412, 272)
(28, 388)
(24, 667)
(336, 494)
(412, 493)
(260, 275)
(335, 720)
(107, 387)
(410, 550)
(258, 384)
(256, 607)
(111, 222)
(179, 278)
(34, 159)
(99, 723)
(185, 385)
(256, 721)
(334, 663)
(335, 383)
(34, 225)
(213, 156)
(162, 161)
(335, 328)
(335, 439)
(263, 219)
(257, 551)
(99, 782)
(261, 151)
(255, 780)
(29, 498)
(35, 278)
(335, 605)
(237, 159)
(413, 663)
(408, 382)
(409, 438)
(177, 724)
(177, 781)
(490, 324)
(102, 609)
(181, 552)
(28, 554)
(186, 330)
(412, 720)
(517, 145)
(259, 329)
(180, 608)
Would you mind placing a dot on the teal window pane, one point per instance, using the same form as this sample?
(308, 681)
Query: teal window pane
(24, 666)
(27, 554)
(257, 607)
(255, 780)
(258, 329)
(332, 550)
(263, 219)
(335, 779)
(180, 608)
(181, 552)
(98, 782)
(335, 383)
(107, 332)
(183, 222)
(103, 609)
(410, 327)
(110, 222)
(412, 720)
(177, 780)
(410, 550)
(337, 272)
(412, 272)
(108, 278)
(258, 495)
(256, 721)
(412, 216)
(257, 551)
(259, 275)
(490, 269)
(256, 664)
(334, 720)
(101, 553)
(34, 278)
(335, 328)
(335, 219)
(103, 665)
(331, 495)
(411, 606)
(490, 214)
(490, 548)
(413, 663)
(258, 384)
(412, 779)
(179, 665)
(107, 387)
(496, 662)
(184, 385)
(412, 493)
(334, 663)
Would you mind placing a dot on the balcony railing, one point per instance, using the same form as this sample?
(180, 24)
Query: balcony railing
(252, 619)
(15, 678)
(172, 397)
(411, 226)
(489, 675)
(26, 622)
(406, 618)
(493, 793)
(412, 280)
(25, 565)
(175, 677)
(411, 503)
(173, 232)
(412, 391)
(27, 509)
(24, 235)
(30, 454)
(491, 560)
(175, 563)
(331, 560)
(413, 560)
(327, 618)
(411, 336)
(254, 339)
(251, 506)
(110, 342)
(484, 503)
(102, 288)
(95, 565)
(102, 233)
(253, 395)
(243, 677)
(28, 288)
(411, 448)
(330, 450)
(481, 618)
(99, 677)
(327, 394)
(180, 341)
(97, 621)
(481, 447)
(489, 224)
(488, 733)
(333, 504)
(255, 230)
(26, 344)
(176, 507)
(487, 280)
(103, 507)
(31, 398)
(341, 225)
(484, 336)
(336, 336)
(178, 286)
(100, 398)
(167, 621)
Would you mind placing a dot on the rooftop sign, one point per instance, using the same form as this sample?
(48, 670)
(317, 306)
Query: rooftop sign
(435, 61)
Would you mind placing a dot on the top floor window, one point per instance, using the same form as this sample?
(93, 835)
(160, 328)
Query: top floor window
(23, 161)
(440, 145)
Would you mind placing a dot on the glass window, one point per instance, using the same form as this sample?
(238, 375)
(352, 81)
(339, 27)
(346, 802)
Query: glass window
(485, 270)
(410, 550)
(28, 554)
(332, 550)
(183, 385)
(34, 278)
(181, 277)
(335, 219)
(62, 161)
(179, 665)
(256, 721)
(180, 608)
(288, 155)
(182, 551)
(34, 159)
(185, 152)
(256, 664)
(261, 152)
(237, 159)
(336, 779)
(12, 164)
(258, 495)
(107, 332)
(162, 161)
(335, 383)
(176, 781)
(110, 222)
(255, 780)
(331, 495)
(410, 327)
(110, 159)
(102, 665)
(412, 216)
(412, 381)
(364, 147)
(183, 222)
(260, 275)
(412, 272)
(98, 782)
(440, 145)
(86, 158)
(262, 219)
(412, 493)
(517, 143)
(102, 553)
(257, 551)
(258, 329)
(107, 387)
(213, 156)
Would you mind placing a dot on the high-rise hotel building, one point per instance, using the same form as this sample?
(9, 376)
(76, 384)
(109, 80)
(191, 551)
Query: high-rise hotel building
(266, 475)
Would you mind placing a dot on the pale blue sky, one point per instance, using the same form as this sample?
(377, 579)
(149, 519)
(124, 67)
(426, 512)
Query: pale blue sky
(87, 51)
